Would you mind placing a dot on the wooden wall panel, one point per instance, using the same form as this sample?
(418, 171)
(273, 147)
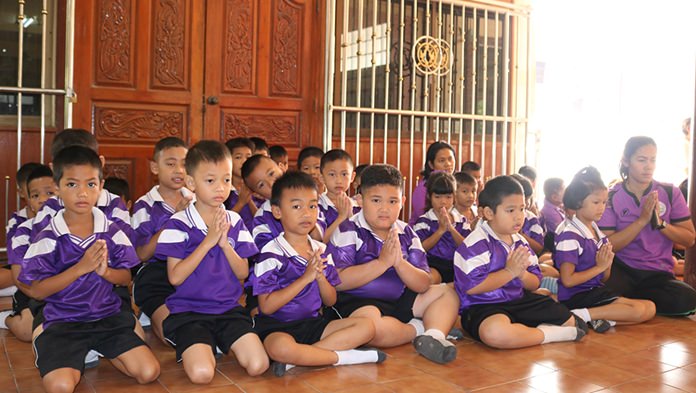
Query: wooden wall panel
(113, 49)
(171, 50)
(239, 47)
(287, 36)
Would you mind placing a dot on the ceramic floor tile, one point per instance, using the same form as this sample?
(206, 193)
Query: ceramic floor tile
(650, 385)
(177, 381)
(602, 374)
(421, 384)
(560, 381)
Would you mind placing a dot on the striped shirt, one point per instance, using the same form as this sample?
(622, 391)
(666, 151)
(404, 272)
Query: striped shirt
(267, 227)
(330, 212)
(532, 227)
(427, 224)
(14, 222)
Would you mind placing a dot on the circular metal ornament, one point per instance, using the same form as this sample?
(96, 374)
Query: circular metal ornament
(432, 55)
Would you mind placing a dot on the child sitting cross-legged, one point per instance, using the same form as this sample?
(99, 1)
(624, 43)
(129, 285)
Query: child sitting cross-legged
(293, 279)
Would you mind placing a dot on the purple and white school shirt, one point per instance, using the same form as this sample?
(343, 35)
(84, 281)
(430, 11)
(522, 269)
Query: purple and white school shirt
(532, 227)
(279, 266)
(18, 245)
(427, 224)
(267, 227)
(150, 214)
(15, 221)
(112, 205)
(328, 209)
(650, 250)
(576, 244)
(55, 250)
(551, 216)
(481, 254)
(245, 213)
(212, 288)
(354, 243)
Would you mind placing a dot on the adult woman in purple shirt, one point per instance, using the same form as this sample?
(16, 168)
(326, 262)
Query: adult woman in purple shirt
(643, 220)
(439, 157)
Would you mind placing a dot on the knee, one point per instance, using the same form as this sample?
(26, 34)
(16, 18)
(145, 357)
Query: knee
(148, 373)
(257, 365)
(493, 337)
(201, 374)
(62, 385)
(280, 353)
(649, 310)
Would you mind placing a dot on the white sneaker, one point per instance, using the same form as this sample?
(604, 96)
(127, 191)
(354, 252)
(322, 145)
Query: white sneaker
(3, 317)
(9, 291)
(144, 320)
(92, 359)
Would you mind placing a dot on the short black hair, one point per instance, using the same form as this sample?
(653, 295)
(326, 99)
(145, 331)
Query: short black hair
(360, 169)
(277, 152)
(552, 185)
(585, 182)
(240, 142)
(39, 172)
(471, 166)
(465, 178)
(431, 154)
(439, 183)
(251, 163)
(381, 175)
(526, 184)
(259, 143)
(498, 188)
(73, 137)
(118, 186)
(335, 155)
(684, 188)
(309, 151)
(75, 155)
(24, 172)
(205, 151)
(291, 180)
(167, 143)
(528, 172)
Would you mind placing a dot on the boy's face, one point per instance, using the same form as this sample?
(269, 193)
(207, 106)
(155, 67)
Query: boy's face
(508, 217)
(282, 163)
(381, 206)
(263, 177)
(557, 197)
(40, 190)
(465, 195)
(298, 210)
(169, 167)
(438, 201)
(337, 176)
(79, 188)
(239, 157)
(212, 182)
(312, 166)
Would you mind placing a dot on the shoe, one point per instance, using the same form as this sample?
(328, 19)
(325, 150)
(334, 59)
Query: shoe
(455, 334)
(381, 356)
(92, 359)
(600, 325)
(581, 327)
(278, 368)
(9, 291)
(433, 350)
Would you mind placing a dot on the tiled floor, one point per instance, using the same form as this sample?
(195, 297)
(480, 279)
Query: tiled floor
(659, 356)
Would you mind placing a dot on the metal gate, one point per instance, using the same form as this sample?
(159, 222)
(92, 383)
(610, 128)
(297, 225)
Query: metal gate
(404, 73)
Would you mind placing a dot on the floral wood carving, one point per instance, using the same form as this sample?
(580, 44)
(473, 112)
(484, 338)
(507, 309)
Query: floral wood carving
(119, 168)
(140, 125)
(113, 42)
(275, 129)
(287, 36)
(239, 45)
(168, 51)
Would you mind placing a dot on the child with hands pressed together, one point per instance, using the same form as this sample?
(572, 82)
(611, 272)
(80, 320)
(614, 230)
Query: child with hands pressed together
(465, 197)
(294, 280)
(335, 204)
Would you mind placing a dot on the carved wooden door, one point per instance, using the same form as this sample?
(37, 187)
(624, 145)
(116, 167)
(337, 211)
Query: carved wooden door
(263, 70)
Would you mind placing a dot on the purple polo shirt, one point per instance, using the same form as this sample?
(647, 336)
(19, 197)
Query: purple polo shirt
(212, 288)
(15, 221)
(551, 216)
(329, 211)
(420, 193)
(55, 249)
(150, 214)
(428, 224)
(481, 254)
(354, 243)
(19, 243)
(245, 213)
(110, 204)
(576, 244)
(650, 250)
(532, 227)
(279, 266)
(267, 227)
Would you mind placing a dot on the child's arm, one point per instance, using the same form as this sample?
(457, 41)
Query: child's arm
(273, 301)
(115, 276)
(146, 251)
(515, 266)
(603, 262)
(358, 275)
(90, 261)
(529, 281)
(16, 269)
(239, 265)
(414, 278)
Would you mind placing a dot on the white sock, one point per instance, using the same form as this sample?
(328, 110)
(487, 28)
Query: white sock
(554, 333)
(9, 291)
(356, 356)
(612, 323)
(3, 317)
(418, 325)
(582, 313)
(289, 367)
(438, 335)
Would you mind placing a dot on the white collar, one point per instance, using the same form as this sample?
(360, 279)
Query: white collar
(289, 251)
(60, 227)
(361, 222)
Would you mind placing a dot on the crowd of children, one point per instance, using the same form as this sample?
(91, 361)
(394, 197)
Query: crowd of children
(233, 253)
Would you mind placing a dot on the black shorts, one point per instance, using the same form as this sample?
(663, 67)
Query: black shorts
(124, 294)
(251, 301)
(151, 287)
(595, 297)
(66, 344)
(304, 331)
(20, 302)
(531, 310)
(401, 308)
(443, 266)
(183, 330)
(36, 307)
